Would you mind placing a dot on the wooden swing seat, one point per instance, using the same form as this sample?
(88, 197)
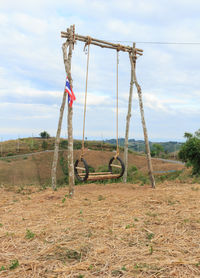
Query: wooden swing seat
(100, 176)
(85, 175)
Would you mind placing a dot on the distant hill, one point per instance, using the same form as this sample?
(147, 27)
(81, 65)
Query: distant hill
(36, 144)
(139, 145)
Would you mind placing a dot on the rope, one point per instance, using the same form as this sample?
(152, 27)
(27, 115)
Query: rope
(88, 42)
(85, 104)
(117, 141)
(120, 47)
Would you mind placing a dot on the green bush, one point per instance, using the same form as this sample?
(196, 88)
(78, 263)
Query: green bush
(10, 154)
(64, 144)
(102, 168)
(77, 145)
(44, 145)
(190, 152)
(169, 176)
(135, 176)
(91, 169)
(64, 167)
(157, 149)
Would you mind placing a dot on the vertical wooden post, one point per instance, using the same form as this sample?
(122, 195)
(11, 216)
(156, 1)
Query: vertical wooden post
(57, 141)
(1, 149)
(128, 117)
(67, 62)
(139, 91)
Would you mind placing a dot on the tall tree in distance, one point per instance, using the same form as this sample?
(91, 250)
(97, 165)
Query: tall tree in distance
(44, 135)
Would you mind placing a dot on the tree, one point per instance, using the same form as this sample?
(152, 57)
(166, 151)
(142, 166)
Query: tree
(188, 135)
(157, 149)
(190, 151)
(44, 135)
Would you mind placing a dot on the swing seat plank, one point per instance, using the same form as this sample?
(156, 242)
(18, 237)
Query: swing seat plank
(116, 166)
(102, 177)
(80, 168)
(95, 174)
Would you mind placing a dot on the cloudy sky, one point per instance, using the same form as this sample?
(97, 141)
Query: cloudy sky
(32, 73)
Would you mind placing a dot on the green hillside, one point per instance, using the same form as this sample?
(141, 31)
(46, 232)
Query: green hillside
(139, 145)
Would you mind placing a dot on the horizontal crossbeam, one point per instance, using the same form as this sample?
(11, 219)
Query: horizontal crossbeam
(101, 43)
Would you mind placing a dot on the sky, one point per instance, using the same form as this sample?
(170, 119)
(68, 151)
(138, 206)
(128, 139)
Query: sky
(32, 74)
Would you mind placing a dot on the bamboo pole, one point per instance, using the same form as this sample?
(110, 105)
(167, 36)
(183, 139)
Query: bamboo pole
(67, 55)
(128, 117)
(139, 91)
(67, 62)
(57, 140)
(103, 43)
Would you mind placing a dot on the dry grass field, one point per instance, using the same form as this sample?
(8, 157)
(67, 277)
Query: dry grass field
(112, 230)
(36, 169)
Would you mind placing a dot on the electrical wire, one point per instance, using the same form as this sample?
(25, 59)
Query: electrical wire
(151, 42)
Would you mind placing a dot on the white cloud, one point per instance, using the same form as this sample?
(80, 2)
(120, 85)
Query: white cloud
(19, 111)
(93, 99)
(32, 72)
(128, 28)
(30, 24)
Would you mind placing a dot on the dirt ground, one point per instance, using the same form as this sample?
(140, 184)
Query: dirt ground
(112, 230)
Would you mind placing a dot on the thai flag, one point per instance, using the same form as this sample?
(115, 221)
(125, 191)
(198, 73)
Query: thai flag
(68, 90)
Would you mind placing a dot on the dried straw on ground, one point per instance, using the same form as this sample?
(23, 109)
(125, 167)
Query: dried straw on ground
(116, 230)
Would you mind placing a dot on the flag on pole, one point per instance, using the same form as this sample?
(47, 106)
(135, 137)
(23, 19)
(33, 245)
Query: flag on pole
(68, 90)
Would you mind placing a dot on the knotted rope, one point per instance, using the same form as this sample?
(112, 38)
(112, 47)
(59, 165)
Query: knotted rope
(85, 104)
(117, 102)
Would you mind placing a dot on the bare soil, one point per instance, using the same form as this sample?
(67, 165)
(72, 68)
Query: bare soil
(36, 169)
(112, 230)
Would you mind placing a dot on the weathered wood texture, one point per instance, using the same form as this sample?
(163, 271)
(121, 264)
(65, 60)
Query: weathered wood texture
(57, 141)
(102, 43)
(128, 117)
(139, 91)
(67, 62)
(67, 56)
(102, 177)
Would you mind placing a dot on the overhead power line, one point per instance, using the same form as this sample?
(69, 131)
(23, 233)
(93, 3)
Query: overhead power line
(151, 42)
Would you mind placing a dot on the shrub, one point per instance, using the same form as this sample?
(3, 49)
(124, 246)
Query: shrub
(102, 168)
(190, 151)
(91, 169)
(156, 149)
(64, 144)
(14, 264)
(64, 166)
(44, 145)
(10, 154)
(77, 145)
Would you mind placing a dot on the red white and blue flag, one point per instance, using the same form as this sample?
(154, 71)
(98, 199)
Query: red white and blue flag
(68, 90)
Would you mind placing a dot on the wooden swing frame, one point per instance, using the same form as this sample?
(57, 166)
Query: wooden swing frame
(134, 53)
